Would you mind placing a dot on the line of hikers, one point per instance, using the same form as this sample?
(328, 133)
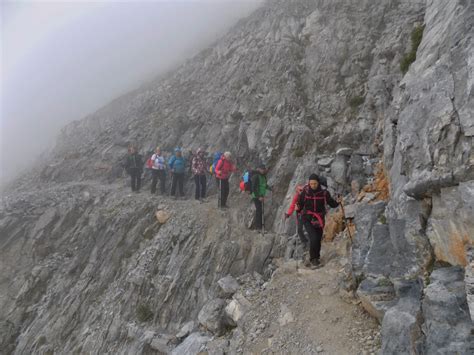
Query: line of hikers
(309, 202)
(178, 166)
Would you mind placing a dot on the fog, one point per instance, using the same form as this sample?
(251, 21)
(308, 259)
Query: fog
(63, 60)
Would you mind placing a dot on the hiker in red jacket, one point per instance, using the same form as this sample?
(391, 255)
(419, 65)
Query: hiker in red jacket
(224, 169)
(299, 222)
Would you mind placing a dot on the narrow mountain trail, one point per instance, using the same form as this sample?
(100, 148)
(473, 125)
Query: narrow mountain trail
(298, 310)
(301, 311)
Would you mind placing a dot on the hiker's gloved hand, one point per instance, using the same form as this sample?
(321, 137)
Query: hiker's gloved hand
(339, 199)
(287, 216)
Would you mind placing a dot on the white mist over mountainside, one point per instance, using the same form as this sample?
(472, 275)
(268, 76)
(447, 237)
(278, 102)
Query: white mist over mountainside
(62, 61)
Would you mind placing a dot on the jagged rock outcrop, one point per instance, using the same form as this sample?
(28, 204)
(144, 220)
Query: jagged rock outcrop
(92, 261)
(304, 86)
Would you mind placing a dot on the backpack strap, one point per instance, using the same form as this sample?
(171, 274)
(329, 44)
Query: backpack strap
(318, 217)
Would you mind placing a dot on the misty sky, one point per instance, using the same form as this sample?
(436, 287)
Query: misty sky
(62, 60)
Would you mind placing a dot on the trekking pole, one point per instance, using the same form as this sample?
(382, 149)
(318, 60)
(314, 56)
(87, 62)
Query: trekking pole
(263, 218)
(345, 219)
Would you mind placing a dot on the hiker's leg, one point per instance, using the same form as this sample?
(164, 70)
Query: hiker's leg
(181, 184)
(299, 223)
(225, 191)
(162, 176)
(139, 180)
(313, 240)
(319, 237)
(198, 187)
(258, 213)
(173, 184)
(133, 180)
(154, 180)
(203, 186)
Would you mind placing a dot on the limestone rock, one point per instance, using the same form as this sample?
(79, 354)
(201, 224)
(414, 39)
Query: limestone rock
(350, 210)
(228, 286)
(344, 151)
(401, 325)
(377, 295)
(325, 162)
(192, 345)
(237, 308)
(286, 316)
(447, 321)
(451, 226)
(211, 316)
(162, 216)
(185, 330)
(469, 281)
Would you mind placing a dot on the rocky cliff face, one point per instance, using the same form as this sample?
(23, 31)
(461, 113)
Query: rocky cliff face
(305, 86)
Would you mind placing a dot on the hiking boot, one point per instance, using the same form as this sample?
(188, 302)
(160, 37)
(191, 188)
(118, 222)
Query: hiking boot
(315, 263)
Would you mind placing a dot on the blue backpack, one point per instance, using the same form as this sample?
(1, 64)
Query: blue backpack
(217, 157)
(246, 181)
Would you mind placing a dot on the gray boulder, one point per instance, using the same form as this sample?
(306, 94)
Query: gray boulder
(192, 345)
(228, 286)
(211, 316)
(185, 330)
(377, 295)
(448, 325)
(366, 217)
(401, 325)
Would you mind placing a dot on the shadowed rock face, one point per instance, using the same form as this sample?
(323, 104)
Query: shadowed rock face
(89, 262)
(305, 86)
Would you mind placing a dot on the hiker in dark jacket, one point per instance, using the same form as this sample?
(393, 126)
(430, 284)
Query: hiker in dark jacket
(134, 167)
(177, 166)
(198, 168)
(158, 171)
(259, 190)
(312, 204)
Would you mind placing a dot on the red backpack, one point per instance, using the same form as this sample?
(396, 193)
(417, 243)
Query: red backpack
(319, 196)
(149, 163)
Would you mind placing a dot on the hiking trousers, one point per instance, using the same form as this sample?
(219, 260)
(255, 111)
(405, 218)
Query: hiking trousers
(315, 234)
(178, 179)
(224, 184)
(200, 181)
(136, 179)
(299, 224)
(258, 213)
(161, 175)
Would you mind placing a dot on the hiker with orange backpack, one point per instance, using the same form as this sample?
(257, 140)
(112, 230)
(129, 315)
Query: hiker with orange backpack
(158, 170)
(299, 221)
(224, 169)
(312, 203)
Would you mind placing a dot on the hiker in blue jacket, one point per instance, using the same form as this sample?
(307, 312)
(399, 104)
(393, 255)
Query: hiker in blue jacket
(177, 166)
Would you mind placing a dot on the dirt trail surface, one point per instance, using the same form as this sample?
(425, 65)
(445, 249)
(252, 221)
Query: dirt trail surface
(302, 311)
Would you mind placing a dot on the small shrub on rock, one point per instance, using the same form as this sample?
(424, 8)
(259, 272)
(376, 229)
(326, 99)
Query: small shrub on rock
(144, 313)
